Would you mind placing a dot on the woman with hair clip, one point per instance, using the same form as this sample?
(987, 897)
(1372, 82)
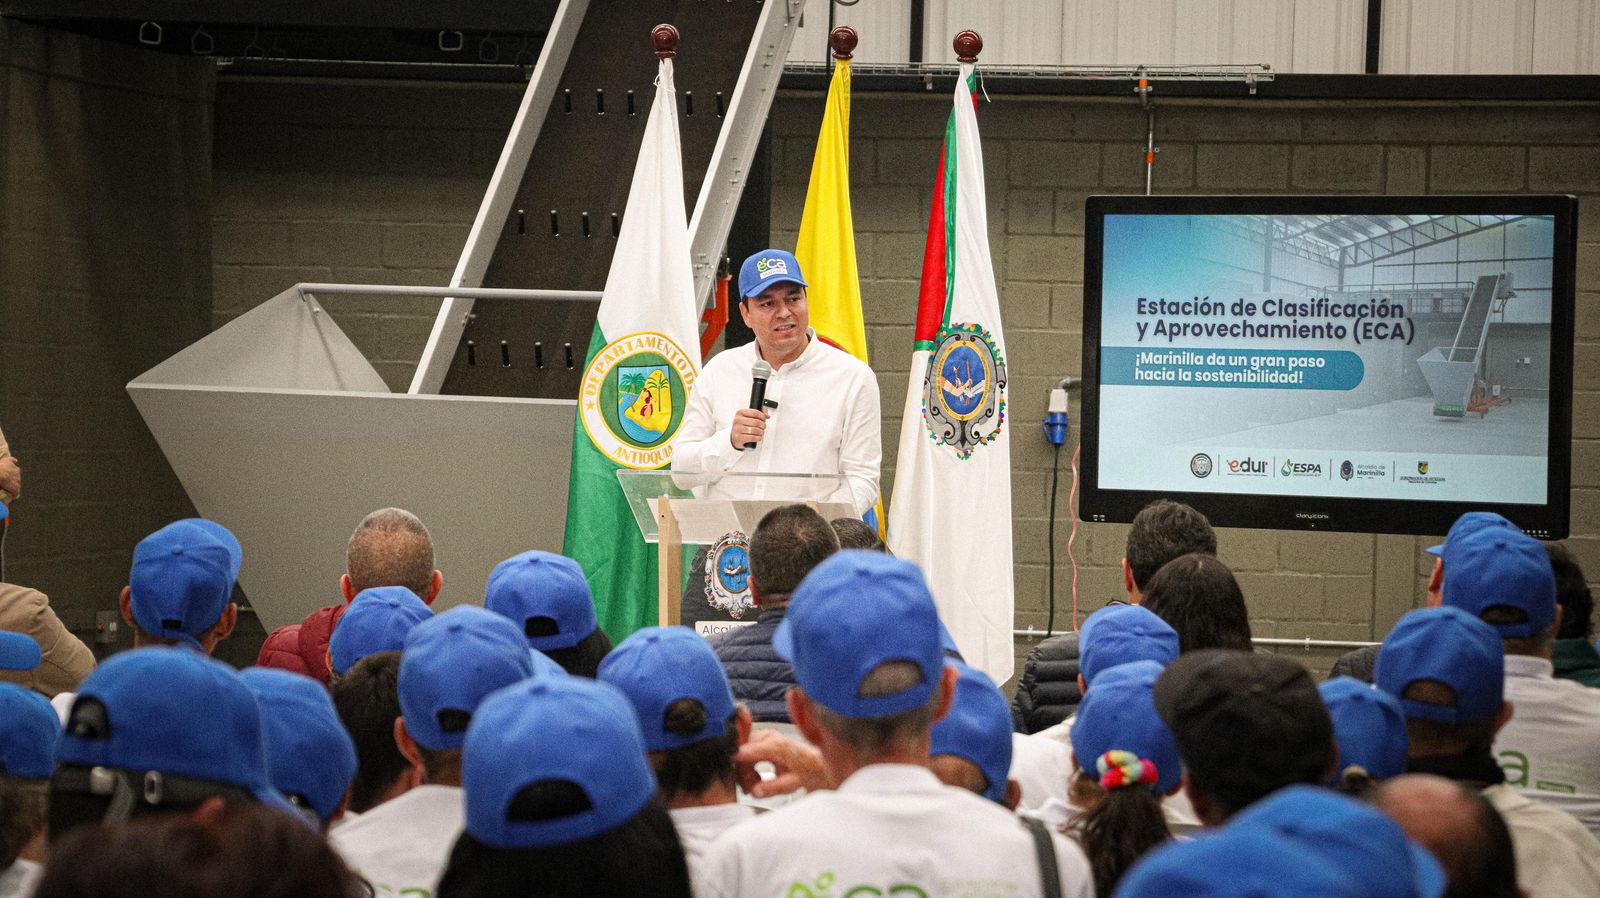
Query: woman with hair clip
(560, 800)
(1126, 761)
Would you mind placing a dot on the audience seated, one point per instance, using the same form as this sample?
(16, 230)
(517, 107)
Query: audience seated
(787, 543)
(310, 757)
(1246, 726)
(1359, 663)
(448, 665)
(154, 731)
(854, 533)
(560, 801)
(1127, 763)
(180, 587)
(972, 746)
(1461, 828)
(238, 851)
(691, 726)
(1447, 669)
(1198, 596)
(863, 636)
(1161, 531)
(1370, 729)
(29, 732)
(377, 620)
(1575, 657)
(367, 698)
(1550, 749)
(390, 547)
(547, 597)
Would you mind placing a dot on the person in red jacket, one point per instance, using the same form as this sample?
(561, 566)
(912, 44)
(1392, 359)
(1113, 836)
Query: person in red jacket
(390, 547)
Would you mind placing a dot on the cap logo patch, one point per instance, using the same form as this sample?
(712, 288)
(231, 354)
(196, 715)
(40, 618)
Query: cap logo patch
(769, 267)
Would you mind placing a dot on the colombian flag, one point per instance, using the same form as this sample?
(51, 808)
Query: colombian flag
(827, 245)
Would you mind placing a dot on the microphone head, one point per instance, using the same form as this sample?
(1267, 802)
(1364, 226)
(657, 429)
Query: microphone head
(760, 370)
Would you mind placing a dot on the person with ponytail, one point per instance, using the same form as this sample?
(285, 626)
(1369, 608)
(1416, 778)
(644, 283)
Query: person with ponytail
(1126, 761)
(692, 728)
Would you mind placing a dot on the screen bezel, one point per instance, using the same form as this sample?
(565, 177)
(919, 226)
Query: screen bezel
(1400, 516)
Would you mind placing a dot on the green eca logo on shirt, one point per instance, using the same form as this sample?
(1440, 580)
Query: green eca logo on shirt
(823, 888)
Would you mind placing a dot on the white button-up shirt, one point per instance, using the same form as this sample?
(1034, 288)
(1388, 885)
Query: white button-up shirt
(828, 420)
(1550, 750)
(887, 825)
(1556, 856)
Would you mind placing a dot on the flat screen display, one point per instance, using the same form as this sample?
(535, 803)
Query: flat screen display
(1345, 363)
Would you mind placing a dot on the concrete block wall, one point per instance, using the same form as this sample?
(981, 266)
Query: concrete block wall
(372, 182)
(105, 224)
(1044, 155)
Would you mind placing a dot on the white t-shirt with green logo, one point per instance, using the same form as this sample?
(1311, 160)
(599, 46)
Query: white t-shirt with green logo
(893, 828)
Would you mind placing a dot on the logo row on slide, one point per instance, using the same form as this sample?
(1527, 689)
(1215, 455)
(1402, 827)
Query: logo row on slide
(1294, 467)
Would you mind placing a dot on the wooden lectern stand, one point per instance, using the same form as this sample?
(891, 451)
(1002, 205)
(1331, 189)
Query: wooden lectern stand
(674, 509)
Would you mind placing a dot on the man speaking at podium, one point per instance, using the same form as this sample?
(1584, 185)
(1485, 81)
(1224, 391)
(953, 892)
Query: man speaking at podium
(820, 416)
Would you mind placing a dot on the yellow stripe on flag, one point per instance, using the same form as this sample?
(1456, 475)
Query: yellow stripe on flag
(827, 245)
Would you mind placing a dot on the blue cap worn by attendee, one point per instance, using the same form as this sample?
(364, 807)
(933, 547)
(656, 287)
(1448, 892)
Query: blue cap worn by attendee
(658, 666)
(768, 267)
(450, 663)
(310, 756)
(544, 665)
(1468, 524)
(377, 620)
(546, 596)
(1119, 715)
(29, 731)
(1118, 634)
(565, 729)
(1370, 849)
(1369, 725)
(182, 579)
(1232, 863)
(1504, 570)
(172, 711)
(977, 728)
(19, 651)
(855, 611)
(1449, 646)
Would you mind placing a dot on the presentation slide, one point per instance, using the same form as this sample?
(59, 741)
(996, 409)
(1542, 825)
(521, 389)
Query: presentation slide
(1352, 356)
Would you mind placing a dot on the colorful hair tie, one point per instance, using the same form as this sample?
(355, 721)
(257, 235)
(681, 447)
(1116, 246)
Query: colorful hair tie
(1120, 768)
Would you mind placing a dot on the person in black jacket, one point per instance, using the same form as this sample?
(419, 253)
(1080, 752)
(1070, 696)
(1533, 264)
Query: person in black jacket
(788, 542)
(1048, 689)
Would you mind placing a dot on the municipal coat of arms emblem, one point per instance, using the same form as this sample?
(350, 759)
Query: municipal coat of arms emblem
(728, 575)
(964, 391)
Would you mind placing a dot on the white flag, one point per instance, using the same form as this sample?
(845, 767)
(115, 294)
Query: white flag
(951, 509)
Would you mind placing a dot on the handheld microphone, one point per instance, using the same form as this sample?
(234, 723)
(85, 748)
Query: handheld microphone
(759, 372)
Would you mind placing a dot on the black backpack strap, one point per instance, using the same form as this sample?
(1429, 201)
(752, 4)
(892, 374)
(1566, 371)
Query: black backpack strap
(1045, 848)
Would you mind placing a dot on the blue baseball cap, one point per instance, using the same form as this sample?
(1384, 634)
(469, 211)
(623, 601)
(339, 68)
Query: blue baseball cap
(1369, 726)
(450, 663)
(1119, 714)
(1450, 646)
(978, 729)
(546, 596)
(658, 666)
(1118, 634)
(182, 579)
(565, 729)
(544, 665)
(1368, 848)
(18, 651)
(29, 734)
(852, 613)
(1468, 524)
(1234, 863)
(170, 710)
(309, 752)
(377, 620)
(1502, 567)
(768, 267)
